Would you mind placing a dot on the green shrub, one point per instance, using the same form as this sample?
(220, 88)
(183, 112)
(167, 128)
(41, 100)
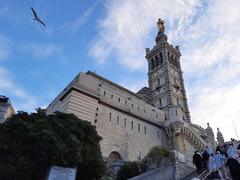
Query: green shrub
(31, 143)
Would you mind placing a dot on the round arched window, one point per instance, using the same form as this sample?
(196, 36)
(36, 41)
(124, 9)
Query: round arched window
(114, 156)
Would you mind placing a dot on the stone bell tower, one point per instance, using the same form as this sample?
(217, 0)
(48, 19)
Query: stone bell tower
(165, 78)
(167, 92)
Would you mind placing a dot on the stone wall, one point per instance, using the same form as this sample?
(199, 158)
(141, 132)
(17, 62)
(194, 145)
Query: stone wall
(189, 151)
(128, 135)
(127, 124)
(164, 173)
(171, 171)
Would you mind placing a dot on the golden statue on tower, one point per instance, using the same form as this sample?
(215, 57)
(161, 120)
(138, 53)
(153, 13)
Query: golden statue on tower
(160, 24)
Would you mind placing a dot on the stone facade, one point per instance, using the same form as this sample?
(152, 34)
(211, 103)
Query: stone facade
(220, 138)
(6, 108)
(210, 134)
(131, 123)
(128, 125)
(165, 79)
(145, 94)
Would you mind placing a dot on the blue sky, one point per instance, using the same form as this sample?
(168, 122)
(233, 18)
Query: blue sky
(109, 37)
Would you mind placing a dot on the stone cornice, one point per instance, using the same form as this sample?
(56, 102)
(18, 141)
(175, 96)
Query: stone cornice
(128, 111)
(105, 101)
(112, 83)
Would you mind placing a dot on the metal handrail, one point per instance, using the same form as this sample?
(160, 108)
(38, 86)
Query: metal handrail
(213, 170)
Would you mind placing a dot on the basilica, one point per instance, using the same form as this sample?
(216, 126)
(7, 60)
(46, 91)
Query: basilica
(131, 123)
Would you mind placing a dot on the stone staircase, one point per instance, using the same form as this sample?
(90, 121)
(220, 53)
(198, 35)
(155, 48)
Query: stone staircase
(171, 171)
(191, 176)
(206, 174)
(177, 128)
(113, 166)
(182, 171)
(193, 137)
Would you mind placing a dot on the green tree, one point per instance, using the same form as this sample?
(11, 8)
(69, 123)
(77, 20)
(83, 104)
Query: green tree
(156, 155)
(131, 169)
(31, 143)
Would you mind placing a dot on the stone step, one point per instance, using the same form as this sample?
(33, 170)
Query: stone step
(191, 176)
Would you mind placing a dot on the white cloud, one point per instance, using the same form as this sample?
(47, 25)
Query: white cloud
(219, 106)
(208, 33)
(41, 50)
(5, 50)
(20, 99)
(213, 62)
(134, 84)
(125, 30)
(78, 23)
(101, 51)
(72, 26)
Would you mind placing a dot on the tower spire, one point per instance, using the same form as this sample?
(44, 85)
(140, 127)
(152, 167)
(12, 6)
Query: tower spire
(165, 78)
(161, 38)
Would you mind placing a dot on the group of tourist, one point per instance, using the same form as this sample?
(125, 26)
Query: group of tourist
(207, 160)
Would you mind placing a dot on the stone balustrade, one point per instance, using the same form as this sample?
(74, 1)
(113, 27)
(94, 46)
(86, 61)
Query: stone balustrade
(178, 127)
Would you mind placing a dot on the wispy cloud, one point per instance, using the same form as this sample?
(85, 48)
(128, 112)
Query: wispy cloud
(134, 84)
(214, 65)
(5, 49)
(21, 100)
(73, 26)
(125, 32)
(208, 33)
(41, 50)
(12, 17)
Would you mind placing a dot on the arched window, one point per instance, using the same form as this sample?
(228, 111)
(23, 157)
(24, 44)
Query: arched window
(176, 62)
(156, 61)
(152, 64)
(160, 58)
(117, 119)
(110, 117)
(114, 156)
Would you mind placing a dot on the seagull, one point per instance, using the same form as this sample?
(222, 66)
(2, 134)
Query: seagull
(37, 18)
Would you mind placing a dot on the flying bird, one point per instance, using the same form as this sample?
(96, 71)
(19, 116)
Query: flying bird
(37, 18)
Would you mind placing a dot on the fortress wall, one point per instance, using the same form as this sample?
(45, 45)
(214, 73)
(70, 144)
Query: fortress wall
(135, 126)
(189, 151)
(83, 106)
(128, 135)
